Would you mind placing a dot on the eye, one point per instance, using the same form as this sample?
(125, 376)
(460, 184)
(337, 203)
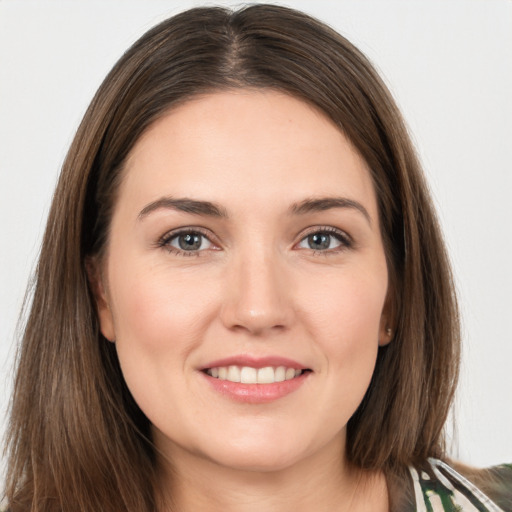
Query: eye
(186, 242)
(325, 240)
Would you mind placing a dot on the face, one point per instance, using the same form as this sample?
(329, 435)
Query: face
(245, 280)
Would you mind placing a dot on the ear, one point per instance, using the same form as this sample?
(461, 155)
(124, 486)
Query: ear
(387, 321)
(99, 291)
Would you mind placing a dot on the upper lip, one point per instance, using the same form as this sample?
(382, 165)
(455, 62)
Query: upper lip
(255, 362)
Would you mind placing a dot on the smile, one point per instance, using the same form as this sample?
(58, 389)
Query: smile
(255, 380)
(250, 375)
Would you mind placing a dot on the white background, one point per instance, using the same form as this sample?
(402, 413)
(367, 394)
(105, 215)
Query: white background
(448, 63)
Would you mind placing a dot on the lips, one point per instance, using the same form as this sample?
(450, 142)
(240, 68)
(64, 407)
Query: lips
(255, 380)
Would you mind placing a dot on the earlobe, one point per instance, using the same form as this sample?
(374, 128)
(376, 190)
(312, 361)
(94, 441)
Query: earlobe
(387, 322)
(96, 282)
(385, 335)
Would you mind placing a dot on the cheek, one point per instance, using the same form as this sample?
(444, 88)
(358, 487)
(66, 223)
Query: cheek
(349, 323)
(158, 310)
(158, 322)
(345, 311)
(344, 316)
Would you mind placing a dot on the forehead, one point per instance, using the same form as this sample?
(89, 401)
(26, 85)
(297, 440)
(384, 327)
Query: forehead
(245, 145)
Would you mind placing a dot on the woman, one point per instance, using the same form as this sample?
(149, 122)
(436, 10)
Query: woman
(234, 305)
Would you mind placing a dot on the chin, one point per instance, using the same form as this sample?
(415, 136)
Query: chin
(261, 461)
(260, 454)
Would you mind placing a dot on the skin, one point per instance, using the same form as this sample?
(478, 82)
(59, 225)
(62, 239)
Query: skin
(256, 287)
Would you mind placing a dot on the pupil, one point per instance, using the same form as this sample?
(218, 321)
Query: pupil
(319, 241)
(190, 241)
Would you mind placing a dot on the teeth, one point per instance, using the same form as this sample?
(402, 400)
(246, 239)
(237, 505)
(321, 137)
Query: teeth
(266, 375)
(290, 373)
(233, 374)
(280, 374)
(249, 375)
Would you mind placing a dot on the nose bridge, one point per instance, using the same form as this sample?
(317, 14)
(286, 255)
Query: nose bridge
(256, 299)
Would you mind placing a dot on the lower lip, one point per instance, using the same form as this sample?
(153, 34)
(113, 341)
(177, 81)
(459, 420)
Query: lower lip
(255, 393)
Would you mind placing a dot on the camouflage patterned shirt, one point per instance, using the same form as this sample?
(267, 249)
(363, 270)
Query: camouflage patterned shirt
(445, 490)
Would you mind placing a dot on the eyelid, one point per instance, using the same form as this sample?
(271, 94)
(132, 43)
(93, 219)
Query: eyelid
(164, 241)
(346, 240)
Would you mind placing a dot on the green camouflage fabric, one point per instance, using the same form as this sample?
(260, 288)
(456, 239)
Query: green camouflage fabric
(445, 490)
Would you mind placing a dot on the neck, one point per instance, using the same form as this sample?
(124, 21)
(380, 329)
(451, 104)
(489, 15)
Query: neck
(317, 484)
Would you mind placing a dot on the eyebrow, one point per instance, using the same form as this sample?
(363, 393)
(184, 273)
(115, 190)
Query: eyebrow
(184, 205)
(210, 209)
(327, 203)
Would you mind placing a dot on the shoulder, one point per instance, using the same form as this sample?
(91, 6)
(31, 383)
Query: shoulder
(442, 488)
(497, 483)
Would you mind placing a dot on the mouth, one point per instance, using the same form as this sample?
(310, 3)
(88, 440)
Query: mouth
(255, 380)
(252, 375)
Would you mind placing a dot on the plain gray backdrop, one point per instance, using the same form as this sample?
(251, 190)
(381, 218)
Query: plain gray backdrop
(448, 64)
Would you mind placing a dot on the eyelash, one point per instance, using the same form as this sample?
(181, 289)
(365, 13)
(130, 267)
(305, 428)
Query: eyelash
(165, 241)
(343, 238)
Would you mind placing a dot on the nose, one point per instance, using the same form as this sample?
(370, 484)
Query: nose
(257, 296)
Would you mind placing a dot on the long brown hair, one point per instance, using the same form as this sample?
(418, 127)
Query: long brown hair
(76, 438)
